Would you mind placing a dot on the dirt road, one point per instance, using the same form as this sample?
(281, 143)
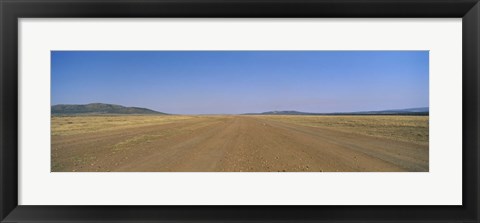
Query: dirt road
(233, 143)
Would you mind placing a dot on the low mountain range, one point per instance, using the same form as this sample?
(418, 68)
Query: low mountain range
(407, 111)
(100, 108)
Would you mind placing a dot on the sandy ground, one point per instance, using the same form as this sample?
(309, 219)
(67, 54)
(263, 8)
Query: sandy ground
(233, 143)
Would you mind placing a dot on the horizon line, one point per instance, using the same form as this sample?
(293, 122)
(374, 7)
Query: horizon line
(254, 113)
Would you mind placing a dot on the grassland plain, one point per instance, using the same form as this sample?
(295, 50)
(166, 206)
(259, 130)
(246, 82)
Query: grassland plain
(229, 143)
(405, 128)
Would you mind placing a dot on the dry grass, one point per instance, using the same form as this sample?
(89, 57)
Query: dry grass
(402, 128)
(83, 127)
(71, 125)
(237, 143)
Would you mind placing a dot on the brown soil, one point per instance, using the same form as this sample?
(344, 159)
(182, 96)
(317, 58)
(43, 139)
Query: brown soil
(231, 144)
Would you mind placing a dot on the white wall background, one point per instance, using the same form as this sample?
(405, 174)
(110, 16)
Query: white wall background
(441, 186)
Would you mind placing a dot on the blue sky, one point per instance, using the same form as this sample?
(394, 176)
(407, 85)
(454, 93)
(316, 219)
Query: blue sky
(234, 82)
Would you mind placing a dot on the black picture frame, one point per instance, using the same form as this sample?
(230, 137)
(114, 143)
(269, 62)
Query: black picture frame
(12, 10)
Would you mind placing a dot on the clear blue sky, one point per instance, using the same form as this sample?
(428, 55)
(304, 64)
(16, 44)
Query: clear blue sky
(233, 82)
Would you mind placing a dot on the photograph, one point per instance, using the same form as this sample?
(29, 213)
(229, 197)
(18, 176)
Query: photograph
(239, 111)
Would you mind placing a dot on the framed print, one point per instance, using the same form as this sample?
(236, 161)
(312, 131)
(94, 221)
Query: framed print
(239, 111)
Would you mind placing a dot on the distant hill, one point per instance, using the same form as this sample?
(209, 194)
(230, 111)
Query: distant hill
(422, 110)
(99, 108)
(407, 111)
